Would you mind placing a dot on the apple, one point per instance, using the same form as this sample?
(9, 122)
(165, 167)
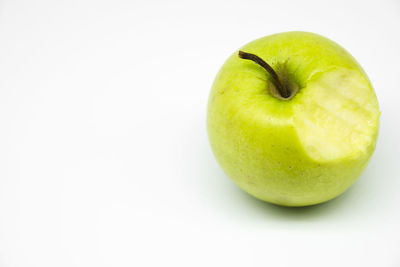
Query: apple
(292, 119)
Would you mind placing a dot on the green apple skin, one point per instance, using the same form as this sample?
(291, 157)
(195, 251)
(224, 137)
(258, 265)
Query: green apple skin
(297, 152)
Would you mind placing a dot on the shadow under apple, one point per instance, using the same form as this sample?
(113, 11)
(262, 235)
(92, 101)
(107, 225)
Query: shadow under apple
(295, 213)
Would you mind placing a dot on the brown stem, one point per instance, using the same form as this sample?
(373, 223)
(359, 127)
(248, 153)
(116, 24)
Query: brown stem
(281, 88)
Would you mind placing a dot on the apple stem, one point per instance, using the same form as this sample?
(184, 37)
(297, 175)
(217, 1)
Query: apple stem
(281, 88)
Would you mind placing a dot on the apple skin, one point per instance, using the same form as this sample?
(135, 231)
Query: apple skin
(297, 152)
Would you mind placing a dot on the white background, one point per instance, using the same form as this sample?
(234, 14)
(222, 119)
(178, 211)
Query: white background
(104, 157)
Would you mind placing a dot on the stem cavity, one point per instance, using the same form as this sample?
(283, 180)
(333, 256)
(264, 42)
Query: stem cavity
(283, 91)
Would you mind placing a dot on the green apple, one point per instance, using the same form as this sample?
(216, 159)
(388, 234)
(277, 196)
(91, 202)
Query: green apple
(292, 119)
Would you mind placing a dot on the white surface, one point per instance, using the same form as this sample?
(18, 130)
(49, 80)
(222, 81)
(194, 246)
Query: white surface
(104, 157)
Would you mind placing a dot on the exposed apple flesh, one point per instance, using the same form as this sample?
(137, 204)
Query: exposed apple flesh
(334, 117)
